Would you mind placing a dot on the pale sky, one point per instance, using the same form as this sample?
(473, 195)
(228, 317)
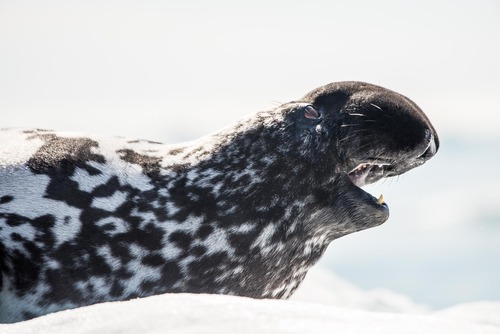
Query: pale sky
(159, 70)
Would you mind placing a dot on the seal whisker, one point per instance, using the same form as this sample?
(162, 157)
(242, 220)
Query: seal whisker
(368, 144)
(353, 134)
(346, 125)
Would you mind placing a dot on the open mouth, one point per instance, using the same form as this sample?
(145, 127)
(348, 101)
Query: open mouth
(367, 173)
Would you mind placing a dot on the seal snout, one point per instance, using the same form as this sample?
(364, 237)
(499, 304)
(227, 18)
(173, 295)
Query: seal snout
(431, 147)
(421, 154)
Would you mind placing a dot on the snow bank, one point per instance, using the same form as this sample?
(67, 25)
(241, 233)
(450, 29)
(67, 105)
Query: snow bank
(190, 313)
(322, 286)
(487, 313)
(324, 304)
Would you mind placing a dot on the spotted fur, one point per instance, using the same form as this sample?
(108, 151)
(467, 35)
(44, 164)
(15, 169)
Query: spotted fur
(86, 219)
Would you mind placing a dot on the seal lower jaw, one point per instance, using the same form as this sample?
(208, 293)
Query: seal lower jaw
(363, 174)
(362, 209)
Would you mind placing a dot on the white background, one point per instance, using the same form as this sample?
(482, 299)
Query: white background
(173, 71)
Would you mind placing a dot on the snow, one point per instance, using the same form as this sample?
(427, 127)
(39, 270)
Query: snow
(487, 313)
(321, 286)
(330, 309)
(190, 313)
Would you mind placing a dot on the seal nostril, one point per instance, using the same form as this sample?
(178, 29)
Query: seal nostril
(427, 154)
(431, 149)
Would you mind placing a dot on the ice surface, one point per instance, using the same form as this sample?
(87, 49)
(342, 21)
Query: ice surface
(190, 313)
(202, 313)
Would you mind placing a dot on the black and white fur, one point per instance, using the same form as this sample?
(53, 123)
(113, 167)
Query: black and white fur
(247, 211)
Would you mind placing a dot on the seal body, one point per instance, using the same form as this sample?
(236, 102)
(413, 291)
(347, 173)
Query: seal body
(87, 219)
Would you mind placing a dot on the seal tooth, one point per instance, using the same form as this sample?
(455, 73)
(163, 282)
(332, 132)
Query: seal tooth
(380, 200)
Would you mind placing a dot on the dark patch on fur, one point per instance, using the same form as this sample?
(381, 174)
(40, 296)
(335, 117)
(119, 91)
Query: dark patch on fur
(176, 151)
(144, 141)
(150, 165)
(6, 199)
(62, 155)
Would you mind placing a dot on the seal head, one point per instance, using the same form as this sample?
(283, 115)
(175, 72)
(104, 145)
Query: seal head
(356, 134)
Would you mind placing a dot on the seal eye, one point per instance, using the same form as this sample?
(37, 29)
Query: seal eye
(311, 113)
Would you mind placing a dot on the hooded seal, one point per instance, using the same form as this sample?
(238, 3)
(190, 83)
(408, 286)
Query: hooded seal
(246, 211)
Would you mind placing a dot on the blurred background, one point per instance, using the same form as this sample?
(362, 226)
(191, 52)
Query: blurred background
(174, 71)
